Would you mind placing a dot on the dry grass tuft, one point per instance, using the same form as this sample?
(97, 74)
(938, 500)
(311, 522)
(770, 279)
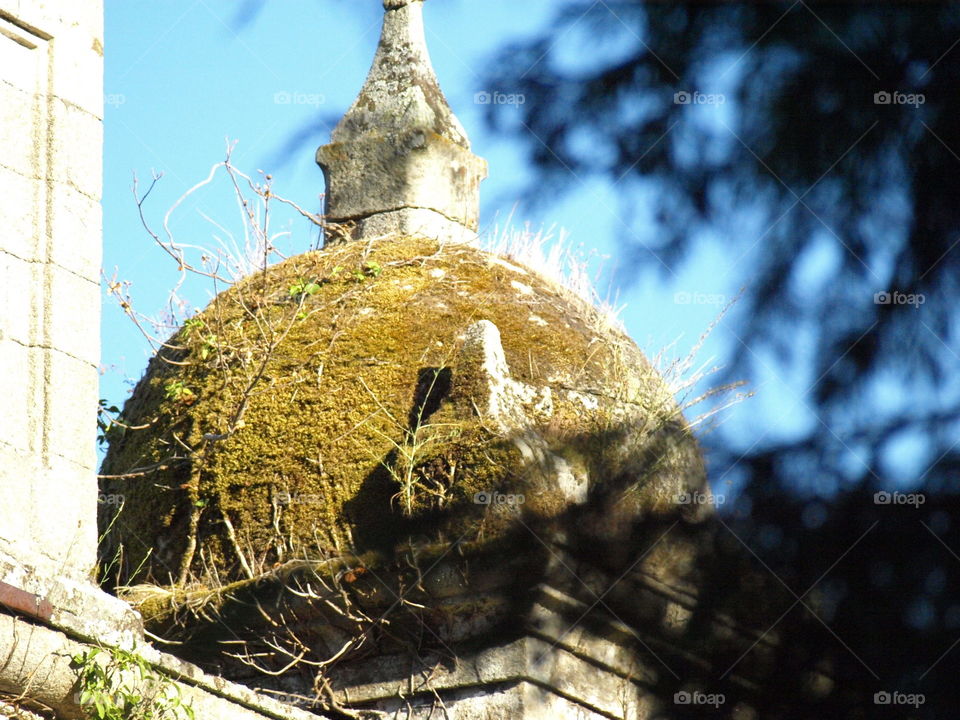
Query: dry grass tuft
(550, 252)
(684, 374)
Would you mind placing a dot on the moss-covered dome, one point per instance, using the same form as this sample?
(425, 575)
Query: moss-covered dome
(370, 395)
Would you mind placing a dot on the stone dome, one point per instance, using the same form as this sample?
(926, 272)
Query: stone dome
(375, 395)
(402, 457)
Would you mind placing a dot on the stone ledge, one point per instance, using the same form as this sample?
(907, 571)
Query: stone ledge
(593, 676)
(529, 673)
(35, 662)
(520, 701)
(80, 608)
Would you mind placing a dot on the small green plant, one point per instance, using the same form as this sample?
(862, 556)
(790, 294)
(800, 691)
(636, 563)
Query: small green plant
(105, 423)
(208, 347)
(118, 684)
(303, 287)
(368, 270)
(209, 342)
(190, 325)
(178, 392)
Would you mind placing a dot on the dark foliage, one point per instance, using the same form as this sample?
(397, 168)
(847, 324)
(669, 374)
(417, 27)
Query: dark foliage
(837, 148)
(805, 161)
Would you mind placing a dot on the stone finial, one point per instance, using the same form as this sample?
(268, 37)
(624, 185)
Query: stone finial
(399, 160)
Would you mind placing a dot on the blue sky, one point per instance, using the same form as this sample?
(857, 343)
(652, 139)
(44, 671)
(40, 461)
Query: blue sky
(182, 78)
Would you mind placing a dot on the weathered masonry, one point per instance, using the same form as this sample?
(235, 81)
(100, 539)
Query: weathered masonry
(432, 507)
(399, 161)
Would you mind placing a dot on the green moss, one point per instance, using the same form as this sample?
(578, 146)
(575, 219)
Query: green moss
(300, 391)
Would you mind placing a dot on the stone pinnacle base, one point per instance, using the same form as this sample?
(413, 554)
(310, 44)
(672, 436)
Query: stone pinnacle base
(413, 222)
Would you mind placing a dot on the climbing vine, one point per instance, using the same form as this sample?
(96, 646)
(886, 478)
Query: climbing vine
(117, 684)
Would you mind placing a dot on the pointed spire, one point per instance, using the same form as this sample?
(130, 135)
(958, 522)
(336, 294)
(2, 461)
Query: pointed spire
(399, 161)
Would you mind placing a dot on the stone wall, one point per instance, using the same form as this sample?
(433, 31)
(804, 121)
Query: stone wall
(51, 99)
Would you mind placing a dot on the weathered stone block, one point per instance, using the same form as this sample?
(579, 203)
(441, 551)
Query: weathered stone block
(76, 216)
(22, 125)
(24, 52)
(64, 507)
(21, 299)
(15, 464)
(79, 607)
(77, 68)
(21, 413)
(71, 416)
(77, 156)
(57, 17)
(50, 181)
(73, 305)
(37, 664)
(413, 222)
(22, 207)
(46, 519)
(532, 678)
(416, 169)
